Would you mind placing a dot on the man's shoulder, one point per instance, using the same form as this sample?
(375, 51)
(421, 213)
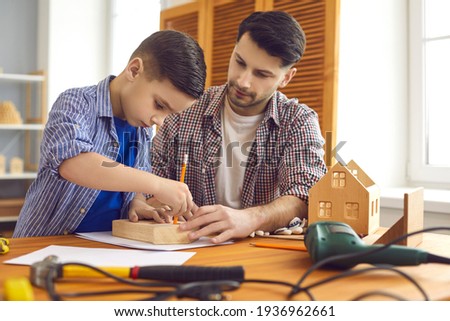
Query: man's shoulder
(191, 120)
(290, 108)
(211, 95)
(203, 105)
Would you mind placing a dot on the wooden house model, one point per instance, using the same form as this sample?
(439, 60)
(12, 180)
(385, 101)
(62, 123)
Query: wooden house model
(346, 194)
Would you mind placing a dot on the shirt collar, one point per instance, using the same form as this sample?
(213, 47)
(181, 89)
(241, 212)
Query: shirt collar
(272, 110)
(214, 107)
(104, 105)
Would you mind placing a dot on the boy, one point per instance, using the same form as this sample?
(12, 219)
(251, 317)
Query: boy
(95, 162)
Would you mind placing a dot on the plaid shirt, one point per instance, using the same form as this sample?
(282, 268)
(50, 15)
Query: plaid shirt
(286, 157)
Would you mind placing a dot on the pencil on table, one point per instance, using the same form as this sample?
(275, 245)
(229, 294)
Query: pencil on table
(300, 247)
(183, 173)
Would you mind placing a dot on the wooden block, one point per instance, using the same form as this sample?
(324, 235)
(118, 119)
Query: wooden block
(411, 221)
(149, 231)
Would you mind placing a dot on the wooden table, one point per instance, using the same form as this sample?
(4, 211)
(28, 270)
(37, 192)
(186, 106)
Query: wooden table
(261, 263)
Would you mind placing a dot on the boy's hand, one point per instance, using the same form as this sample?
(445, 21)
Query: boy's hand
(176, 195)
(140, 209)
(154, 203)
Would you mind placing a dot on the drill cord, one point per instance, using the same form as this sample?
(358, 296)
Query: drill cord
(437, 259)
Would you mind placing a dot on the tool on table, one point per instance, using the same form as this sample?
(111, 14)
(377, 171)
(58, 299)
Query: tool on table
(17, 289)
(326, 239)
(4, 245)
(299, 247)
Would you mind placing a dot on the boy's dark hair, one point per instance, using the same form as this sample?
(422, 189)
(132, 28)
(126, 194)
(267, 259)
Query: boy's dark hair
(276, 32)
(176, 56)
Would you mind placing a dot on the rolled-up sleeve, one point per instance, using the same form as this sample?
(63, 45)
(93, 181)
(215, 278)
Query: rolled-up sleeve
(302, 164)
(67, 132)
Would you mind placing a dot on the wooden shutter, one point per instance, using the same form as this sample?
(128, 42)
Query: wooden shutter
(227, 17)
(182, 18)
(315, 83)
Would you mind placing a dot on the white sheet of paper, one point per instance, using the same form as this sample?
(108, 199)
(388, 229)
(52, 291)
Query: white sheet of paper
(104, 257)
(107, 237)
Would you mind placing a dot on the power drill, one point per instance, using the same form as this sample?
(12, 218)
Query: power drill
(325, 239)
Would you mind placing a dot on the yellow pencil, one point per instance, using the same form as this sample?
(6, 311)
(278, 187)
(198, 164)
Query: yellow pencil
(183, 173)
(300, 247)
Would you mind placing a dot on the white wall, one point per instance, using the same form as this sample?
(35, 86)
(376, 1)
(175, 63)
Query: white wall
(165, 4)
(127, 36)
(372, 90)
(73, 43)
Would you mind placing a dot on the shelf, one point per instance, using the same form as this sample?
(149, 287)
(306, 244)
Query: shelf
(7, 219)
(24, 175)
(22, 78)
(22, 126)
(33, 109)
(10, 209)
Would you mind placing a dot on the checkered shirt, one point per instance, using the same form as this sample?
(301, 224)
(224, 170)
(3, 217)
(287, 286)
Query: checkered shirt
(286, 157)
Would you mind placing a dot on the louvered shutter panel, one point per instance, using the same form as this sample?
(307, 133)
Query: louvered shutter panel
(181, 20)
(308, 85)
(227, 18)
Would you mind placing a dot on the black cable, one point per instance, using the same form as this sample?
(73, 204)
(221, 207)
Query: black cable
(350, 273)
(297, 288)
(291, 285)
(379, 293)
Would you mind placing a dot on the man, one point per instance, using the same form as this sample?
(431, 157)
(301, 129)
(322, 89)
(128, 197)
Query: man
(253, 153)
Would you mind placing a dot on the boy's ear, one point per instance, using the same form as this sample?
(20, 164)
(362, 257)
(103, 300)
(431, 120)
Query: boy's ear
(135, 67)
(287, 77)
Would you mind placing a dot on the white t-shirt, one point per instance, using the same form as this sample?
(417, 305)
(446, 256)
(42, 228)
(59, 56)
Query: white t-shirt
(238, 134)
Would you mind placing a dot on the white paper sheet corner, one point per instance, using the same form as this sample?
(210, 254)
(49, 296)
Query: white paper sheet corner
(104, 257)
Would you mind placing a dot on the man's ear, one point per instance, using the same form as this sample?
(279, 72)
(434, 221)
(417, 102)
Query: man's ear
(287, 77)
(134, 68)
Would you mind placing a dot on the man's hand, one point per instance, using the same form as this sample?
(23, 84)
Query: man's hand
(223, 222)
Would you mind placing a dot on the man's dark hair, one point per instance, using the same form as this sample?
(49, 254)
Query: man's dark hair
(176, 56)
(276, 32)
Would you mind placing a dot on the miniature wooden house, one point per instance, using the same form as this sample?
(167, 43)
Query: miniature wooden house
(346, 194)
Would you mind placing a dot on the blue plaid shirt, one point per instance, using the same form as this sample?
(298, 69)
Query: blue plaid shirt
(286, 157)
(80, 121)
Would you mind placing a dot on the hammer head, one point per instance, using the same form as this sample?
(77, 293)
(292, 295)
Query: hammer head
(44, 270)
